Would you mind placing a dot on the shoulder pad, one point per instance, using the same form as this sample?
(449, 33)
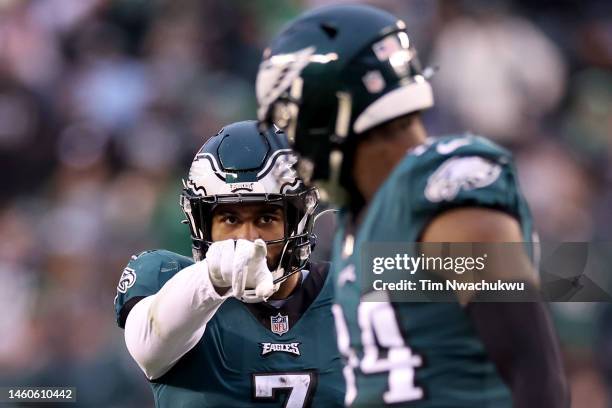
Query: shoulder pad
(463, 171)
(146, 273)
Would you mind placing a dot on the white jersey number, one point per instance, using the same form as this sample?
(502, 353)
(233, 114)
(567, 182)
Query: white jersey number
(379, 330)
(300, 387)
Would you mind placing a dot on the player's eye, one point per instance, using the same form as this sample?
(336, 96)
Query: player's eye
(265, 219)
(268, 219)
(229, 219)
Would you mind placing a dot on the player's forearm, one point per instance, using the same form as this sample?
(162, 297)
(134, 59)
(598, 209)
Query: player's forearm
(521, 341)
(161, 328)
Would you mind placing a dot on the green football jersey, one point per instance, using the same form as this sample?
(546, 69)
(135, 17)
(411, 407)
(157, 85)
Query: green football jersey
(251, 355)
(421, 355)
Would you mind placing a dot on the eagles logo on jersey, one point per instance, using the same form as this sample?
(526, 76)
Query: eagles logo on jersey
(127, 280)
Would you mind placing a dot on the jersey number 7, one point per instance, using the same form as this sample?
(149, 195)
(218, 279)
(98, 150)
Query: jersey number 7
(300, 387)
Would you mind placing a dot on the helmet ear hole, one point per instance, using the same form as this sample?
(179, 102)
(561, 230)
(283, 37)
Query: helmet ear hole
(329, 30)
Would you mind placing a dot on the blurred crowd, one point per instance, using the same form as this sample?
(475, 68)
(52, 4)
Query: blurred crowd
(104, 103)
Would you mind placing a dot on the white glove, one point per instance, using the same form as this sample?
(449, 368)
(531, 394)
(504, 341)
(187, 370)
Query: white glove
(259, 276)
(239, 264)
(227, 262)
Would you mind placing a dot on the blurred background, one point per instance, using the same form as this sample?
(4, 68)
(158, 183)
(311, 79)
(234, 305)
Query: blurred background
(103, 104)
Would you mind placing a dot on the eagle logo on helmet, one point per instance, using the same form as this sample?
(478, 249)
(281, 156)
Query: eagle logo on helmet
(285, 173)
(278, 73)
(281, 73)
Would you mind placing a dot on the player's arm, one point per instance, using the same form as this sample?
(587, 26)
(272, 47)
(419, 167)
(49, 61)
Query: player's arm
(163, 327)
(519, 337)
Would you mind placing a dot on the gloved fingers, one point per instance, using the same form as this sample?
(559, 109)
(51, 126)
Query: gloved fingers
(242, 254)
(219, 257)
(257, 267)
(227, 255)
(260, 249)
(265, 288)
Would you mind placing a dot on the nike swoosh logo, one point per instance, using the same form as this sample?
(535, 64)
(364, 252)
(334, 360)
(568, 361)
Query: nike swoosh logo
(449, 147)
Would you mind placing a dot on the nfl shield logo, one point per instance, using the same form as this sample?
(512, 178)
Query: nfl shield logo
(279, 324)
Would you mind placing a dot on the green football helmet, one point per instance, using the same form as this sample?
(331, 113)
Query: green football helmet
(333, 74)
(242, 164)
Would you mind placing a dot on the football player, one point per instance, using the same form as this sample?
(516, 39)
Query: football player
(345, 84)
(246, 322)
